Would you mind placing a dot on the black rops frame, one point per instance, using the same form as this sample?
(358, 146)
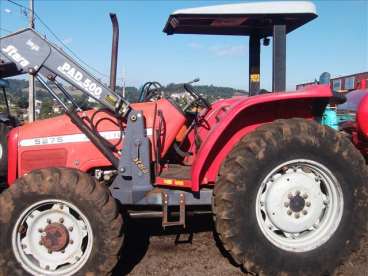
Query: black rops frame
(278, 61)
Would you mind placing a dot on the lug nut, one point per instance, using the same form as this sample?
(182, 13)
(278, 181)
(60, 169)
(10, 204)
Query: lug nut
(286, 204)
(305, 196)
(40, 230)
(305, 212)
(49, 251)
(61, 220)
(61, 206)
(289, 212)
(290, 195)
(70, 229)
(48, 221)
(63, 251)
(71, 242)
(297, 192)
(297, 215)
(40, 242)
(308, 204)
(77, 259)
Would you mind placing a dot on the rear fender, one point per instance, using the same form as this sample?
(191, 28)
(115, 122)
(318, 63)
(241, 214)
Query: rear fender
(245, 117)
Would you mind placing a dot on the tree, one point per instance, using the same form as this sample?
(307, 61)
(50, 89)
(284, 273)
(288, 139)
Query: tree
(46, 109)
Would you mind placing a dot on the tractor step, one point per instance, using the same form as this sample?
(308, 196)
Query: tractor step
(166, 213)
(176, 171)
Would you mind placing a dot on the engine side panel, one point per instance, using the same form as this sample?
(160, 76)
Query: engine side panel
(57, 142)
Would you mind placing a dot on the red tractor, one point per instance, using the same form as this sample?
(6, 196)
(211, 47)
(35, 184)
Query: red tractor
(288, 195)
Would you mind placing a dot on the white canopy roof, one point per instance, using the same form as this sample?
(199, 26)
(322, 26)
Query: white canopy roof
(241, 19)
(280, 7)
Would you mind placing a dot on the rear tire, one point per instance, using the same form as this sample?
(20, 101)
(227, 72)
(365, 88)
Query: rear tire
(58, 222)
(292, 200)
(4, 129)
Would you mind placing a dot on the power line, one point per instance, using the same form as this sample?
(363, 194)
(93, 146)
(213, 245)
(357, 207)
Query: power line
(61, 41)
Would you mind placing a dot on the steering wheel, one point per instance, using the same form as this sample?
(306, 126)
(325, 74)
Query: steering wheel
(150, 90)
(196, 95)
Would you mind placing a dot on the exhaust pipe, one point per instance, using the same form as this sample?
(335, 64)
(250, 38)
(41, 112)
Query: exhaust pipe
(114, 50)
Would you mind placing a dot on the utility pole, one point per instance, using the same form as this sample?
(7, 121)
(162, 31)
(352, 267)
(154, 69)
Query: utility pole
(31, 92)
(123, 82)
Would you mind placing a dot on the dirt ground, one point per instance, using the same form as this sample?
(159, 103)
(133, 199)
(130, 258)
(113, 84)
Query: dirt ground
(152, 251)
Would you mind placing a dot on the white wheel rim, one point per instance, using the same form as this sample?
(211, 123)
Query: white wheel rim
(29, 229)
(299, 205)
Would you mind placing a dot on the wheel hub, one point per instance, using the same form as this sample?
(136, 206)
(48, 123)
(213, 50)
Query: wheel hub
(297, 203)
(56, 237)
(294, 201)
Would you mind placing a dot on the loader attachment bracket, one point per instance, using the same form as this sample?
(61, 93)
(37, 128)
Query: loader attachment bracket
(134, 164)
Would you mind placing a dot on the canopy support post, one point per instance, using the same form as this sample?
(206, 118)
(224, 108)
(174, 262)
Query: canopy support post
(279, 58)
(254, 64)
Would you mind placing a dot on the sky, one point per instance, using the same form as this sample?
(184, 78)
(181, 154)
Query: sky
(337, 42)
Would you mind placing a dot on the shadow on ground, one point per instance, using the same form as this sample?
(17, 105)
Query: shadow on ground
(150, 250)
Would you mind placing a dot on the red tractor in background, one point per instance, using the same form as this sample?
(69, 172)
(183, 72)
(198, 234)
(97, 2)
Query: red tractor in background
(356, 126)
(288, 195)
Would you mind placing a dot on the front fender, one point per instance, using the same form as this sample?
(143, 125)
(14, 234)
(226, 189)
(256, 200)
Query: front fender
(245, 116)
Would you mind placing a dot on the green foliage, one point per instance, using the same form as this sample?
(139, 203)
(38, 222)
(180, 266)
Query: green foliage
(46, 109)
(22, 102)
(209, 91)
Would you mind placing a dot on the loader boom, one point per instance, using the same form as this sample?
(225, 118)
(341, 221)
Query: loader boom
(27, 52)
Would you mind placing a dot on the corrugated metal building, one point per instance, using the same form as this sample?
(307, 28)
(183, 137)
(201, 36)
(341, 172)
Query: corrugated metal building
(345, 83)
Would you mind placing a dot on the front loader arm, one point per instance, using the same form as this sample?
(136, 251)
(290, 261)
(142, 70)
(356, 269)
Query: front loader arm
(27, 52)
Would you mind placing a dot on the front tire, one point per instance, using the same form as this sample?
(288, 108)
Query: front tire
(58, 222)
(292, 200)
